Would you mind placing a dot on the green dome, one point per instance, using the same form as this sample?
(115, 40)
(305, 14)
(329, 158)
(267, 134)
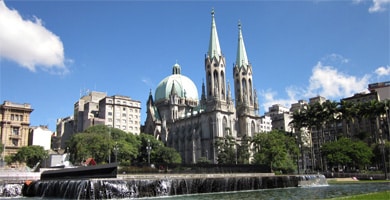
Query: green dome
(183, 86)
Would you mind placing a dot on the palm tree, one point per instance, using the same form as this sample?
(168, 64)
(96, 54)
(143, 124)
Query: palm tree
(372, 110)
(332, 115)
(300, 125)
(348, 113)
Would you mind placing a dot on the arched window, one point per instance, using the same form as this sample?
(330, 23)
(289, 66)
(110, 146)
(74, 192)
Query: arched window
(225, 128)
(237, 86)
(209, 87)
(216, 83)
(253, 128)
(223, 85)
(244, 90)
(250, 92)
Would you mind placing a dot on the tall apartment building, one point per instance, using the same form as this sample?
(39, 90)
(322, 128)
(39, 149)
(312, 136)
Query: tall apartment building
(121, 112)
(265, 124)
(281, 117)
(86, 109)
(382, 88)
(64, 130)
(14, 126)
(95, 108)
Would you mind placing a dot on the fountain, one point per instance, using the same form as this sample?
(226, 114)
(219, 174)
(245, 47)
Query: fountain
(125, 187)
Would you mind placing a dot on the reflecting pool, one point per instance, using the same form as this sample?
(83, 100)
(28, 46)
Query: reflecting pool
(321, 192)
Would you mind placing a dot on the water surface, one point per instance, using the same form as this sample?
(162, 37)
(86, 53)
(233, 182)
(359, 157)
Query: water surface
(320, 192)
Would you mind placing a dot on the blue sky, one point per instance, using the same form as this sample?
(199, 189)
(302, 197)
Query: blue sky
(52, 52)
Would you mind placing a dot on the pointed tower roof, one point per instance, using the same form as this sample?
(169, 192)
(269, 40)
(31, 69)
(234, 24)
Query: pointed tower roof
(214, 48)
(242, 58)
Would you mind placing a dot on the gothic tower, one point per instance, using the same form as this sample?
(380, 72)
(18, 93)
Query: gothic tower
(215, 67)
(245, 95)
(219, 108)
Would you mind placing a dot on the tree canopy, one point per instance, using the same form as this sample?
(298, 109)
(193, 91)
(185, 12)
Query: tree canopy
(347, 152)
(30, 155)
(227, 153)
(106, 144)
(276, 150)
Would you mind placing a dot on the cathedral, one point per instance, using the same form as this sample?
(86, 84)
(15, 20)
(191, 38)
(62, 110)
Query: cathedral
(179, 118)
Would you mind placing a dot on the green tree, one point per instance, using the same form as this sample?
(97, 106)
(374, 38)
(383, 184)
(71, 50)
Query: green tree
(276, 150)
(349, 111)
(243, 150)
(104, 144)
(30, 155)
(166, 155)
(346, 152)
(226, 150)
(159, 153)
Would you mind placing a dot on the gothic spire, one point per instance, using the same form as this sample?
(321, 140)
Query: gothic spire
(242, 58)
(214, 48)
(203, 98)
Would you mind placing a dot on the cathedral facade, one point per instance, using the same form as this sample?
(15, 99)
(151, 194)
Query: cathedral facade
(178, 117)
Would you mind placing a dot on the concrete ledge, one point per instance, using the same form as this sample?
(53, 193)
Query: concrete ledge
(189, 176)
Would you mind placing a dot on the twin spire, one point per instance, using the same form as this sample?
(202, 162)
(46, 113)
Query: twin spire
(242, 58)
(215, 48)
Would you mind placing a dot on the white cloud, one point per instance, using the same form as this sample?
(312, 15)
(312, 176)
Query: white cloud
(383, 71)
(325, 81)
(29, 43)
(330, 83)
(379, 6)
(334, 59)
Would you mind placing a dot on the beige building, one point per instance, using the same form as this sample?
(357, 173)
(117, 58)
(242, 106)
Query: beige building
(382, 88)
(121, 112)
(14, 126)
(86, 109)
(95, 108)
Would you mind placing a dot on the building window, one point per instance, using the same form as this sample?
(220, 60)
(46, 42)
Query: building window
(15, 130)
(109, 113)
(123, 114)
(15, 142)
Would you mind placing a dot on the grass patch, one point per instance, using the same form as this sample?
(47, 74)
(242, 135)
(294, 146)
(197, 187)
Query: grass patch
(376, 195)
(330, 181)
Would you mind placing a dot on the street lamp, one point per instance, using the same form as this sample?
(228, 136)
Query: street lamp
(116, 149)
(149, 149)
